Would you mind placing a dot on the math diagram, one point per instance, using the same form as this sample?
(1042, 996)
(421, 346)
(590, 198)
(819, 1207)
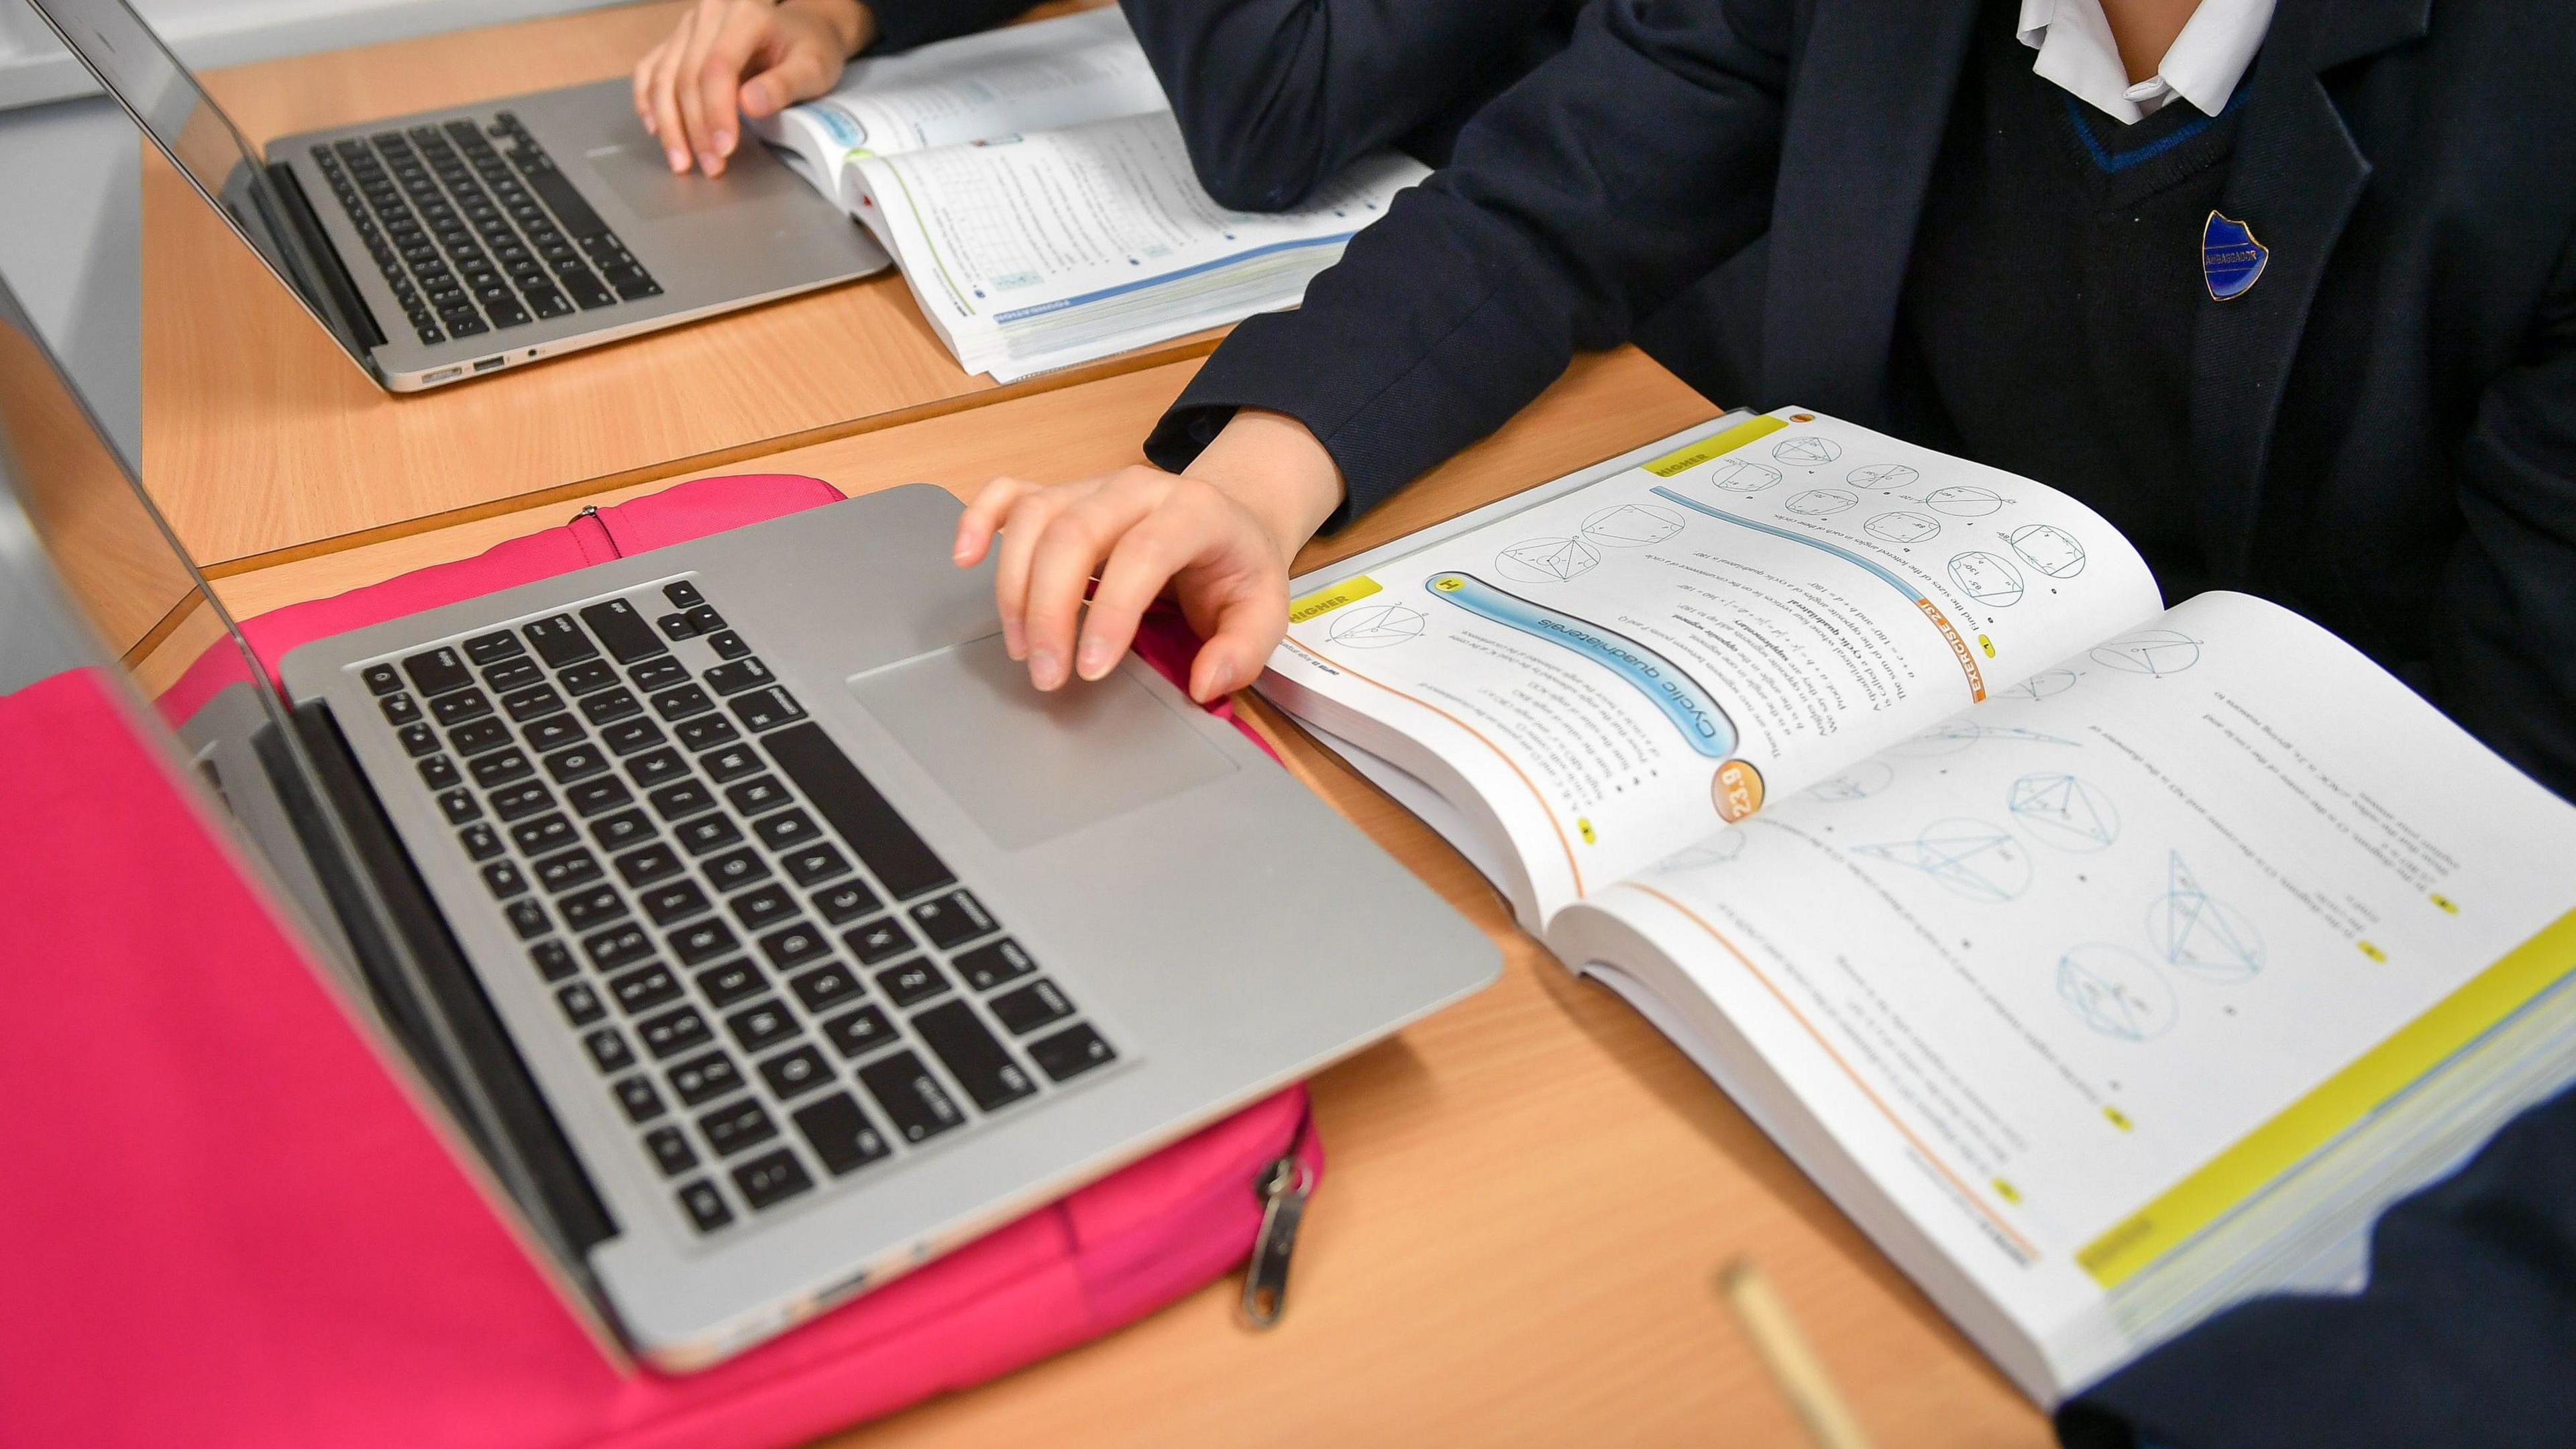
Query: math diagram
(2197, 933)
(1632, 525)
(2150, 651)
(1968, 857)
(1547, 560)
(1902, 527)
(1881, 475)
(1378, 626)
(1986, 578)
(2047, 548)
(1858, 783)
(1740, 475)
(2063, 811)
(1817, 502)
(1806, 450)
(2042, 685)
(2113, 990)
(1964, 500)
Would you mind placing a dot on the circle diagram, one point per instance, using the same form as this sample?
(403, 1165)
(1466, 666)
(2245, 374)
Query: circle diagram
(1817, 502)
(1964, 500)
(2048, 548)
(1547, 560)
(2199, 934)
(2114, 991)
(1986, 578)
(1632, 525)
(1881, 475)
(1858, 783)
(1806, 451)
(1377, 626)
(2063, 811)
(2150, 651)
(1968, 857)
(1740, 475)
(1902, 527)
(2043, 684)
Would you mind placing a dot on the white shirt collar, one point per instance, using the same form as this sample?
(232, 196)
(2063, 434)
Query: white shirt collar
(2209, 57)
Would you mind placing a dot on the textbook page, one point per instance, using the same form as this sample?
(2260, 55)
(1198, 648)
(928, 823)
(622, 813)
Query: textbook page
(2074, 975)
(1612, 673)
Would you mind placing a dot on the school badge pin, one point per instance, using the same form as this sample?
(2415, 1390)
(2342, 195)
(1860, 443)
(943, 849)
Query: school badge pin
(2231, 260)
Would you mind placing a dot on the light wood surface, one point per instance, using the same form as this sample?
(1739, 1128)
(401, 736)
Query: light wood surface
(261, 439)
(1528, 1196)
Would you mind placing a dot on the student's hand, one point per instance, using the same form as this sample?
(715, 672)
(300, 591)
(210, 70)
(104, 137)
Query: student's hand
(734, 58)
(1220, 536)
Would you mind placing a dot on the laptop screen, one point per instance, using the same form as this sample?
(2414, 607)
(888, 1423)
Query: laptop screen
(134, 66)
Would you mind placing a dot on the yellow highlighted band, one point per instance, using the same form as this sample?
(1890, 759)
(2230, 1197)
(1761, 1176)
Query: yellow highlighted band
(2341, 1101)
(1330, 597)
(1714, 447)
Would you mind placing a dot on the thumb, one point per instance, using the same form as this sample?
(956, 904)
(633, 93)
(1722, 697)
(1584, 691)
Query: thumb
(795, 77)
(1247, 629)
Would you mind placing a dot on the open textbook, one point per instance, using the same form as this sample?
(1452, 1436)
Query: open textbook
(2106, 962)
(1032, 184)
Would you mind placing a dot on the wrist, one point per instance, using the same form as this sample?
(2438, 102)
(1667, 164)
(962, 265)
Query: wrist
(1276, 470)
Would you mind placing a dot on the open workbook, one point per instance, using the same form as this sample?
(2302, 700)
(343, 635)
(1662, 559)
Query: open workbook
(1032, 184)
(2105, 962)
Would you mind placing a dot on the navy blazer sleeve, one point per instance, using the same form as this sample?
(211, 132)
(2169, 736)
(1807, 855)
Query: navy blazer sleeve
(903, 24)
(1595, 190)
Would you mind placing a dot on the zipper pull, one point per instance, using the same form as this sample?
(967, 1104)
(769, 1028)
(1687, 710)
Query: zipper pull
(1283, 1188)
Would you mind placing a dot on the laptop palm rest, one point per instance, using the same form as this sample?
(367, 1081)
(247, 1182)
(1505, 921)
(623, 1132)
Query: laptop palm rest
(1028, 766)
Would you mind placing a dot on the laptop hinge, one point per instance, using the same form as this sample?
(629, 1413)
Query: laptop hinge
(315, 243)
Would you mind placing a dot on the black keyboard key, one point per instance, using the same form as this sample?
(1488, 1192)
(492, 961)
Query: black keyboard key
(673, 1032)
(767, 709)
(438, 772)
(552, 959)
(688, 699)
(593, 796)
(588, 677)
(731, 984)
(705, 1206)
(701, 1080)
(675, 802)
(519, 801)
(635, 1095)
(736, 1125)
(826, 988)
(771, 1178)
(554, 734)
(578, 763)
(1029, 1007)
(459, 805)
(840, 1134)
(419, 739)
(761, 909)
(705, 619)
(911, 983)
(631, 735)
(993, 965)
(563, 199)
(698, 944)
(860, 1032)
(506, 314)
(590, 906)
(708, 832)
(660, 673)
(380, 678)
(399, 709)
(533, 702)
(728, 764)
(476, 738)
(437, 671)
(560, 873)
(528, 919)
(1070, 1052)
(735, 869)
(793, 946)
(728, 645)
(953, 919)
(845, 902)
(674, 902)
(787, 830)
(481, 842)
(503, 880)
(758, 1028)
(608, 1050)
(660, 767)
(675, 627)
(738, 676)
(793, 1073)
(655, 862)
(547, 302)
(919, 1107)
(862, 817)
(815, 863)
(623, 632)
(538, 837)
(490, 649)
(620, 946)
(609, 706)
(671, 1151)
(683, 594)
(633, 283)
(708, 731)
(618, 831)
(580, 1004)
(754, 797)
(496, 770)
(974, 1059)
(513, 674)
(880, 940)
(559, 641)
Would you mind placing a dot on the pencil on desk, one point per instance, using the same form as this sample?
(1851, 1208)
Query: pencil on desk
(1785, 1351)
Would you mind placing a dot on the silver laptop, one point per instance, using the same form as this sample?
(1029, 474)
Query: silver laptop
(745, 906)
(442, 246)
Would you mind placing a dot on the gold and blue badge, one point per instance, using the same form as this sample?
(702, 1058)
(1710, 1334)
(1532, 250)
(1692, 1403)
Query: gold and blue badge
(2230, 258)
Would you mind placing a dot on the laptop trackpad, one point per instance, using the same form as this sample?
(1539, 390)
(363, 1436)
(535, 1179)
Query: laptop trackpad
(636, 171)
(1029, 766)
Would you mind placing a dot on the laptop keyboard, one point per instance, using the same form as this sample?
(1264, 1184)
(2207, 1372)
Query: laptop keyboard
(780, 983)
(475, 236)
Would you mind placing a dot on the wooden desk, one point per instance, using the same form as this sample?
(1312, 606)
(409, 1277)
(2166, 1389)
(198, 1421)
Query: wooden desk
(1529, 1194)
(262, 441)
